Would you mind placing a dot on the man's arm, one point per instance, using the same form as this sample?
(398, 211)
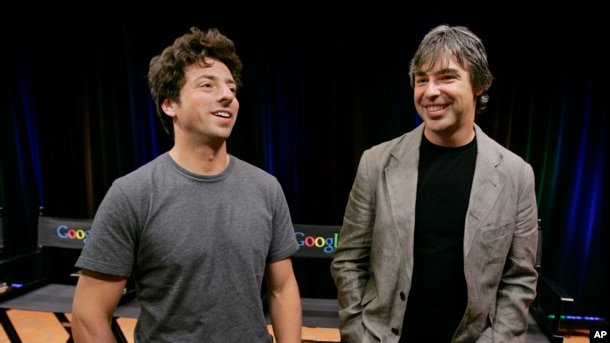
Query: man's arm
(95, 300)
(284, 301)
(518, 285)
(351, 260)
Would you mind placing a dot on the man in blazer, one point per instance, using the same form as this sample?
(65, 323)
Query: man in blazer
(439, 236)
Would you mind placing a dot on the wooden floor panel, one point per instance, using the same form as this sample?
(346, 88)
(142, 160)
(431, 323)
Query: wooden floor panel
(43, 327)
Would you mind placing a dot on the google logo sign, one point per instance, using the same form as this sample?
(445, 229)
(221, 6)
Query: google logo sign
(327, 244)
(65, 232)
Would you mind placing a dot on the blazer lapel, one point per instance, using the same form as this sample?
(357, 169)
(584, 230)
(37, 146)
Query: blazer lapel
(401, 186)
(486, 186)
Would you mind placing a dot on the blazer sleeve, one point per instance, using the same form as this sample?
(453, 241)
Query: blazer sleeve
(350, 264)
(517, 288)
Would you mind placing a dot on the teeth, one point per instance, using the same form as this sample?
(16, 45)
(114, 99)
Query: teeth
(222, 114)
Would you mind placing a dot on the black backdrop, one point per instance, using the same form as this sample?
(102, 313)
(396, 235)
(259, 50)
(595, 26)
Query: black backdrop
(323, 81)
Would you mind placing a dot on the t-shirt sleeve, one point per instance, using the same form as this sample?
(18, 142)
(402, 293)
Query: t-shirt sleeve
(284, 242)
(111, 243)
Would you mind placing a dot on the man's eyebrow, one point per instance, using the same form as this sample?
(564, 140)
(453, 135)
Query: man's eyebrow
(447, 71)
(213, 78)
(438, 72)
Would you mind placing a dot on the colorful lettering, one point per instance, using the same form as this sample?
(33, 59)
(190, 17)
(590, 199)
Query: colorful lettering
(327, 244)
(65, 232)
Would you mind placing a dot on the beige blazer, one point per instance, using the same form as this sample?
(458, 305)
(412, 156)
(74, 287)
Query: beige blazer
(373, 261)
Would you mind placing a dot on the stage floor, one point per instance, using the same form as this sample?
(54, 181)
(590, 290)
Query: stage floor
(43, 327)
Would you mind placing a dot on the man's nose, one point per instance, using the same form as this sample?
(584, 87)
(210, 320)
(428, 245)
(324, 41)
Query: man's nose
(226, 93)
(432, 89)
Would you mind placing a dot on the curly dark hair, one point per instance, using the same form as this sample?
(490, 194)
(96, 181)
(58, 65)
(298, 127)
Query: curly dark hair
(445, 41)
(166, 72)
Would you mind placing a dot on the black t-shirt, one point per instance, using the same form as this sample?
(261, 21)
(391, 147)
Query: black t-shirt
(437, 299)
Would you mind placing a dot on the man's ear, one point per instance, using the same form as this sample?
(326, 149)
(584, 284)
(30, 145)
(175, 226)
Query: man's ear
(479, 91)
(168, 107)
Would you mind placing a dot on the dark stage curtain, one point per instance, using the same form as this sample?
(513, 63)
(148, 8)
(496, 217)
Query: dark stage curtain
(322, 83)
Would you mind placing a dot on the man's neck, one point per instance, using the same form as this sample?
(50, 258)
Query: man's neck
(203, 160)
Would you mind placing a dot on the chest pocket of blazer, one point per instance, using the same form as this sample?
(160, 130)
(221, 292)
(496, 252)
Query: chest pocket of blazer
(495, 242)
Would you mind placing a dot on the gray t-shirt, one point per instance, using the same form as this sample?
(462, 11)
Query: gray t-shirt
(197, 247)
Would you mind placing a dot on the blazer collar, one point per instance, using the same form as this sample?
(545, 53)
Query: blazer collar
(401, 176)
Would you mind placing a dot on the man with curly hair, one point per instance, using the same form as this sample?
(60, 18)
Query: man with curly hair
(198, 229)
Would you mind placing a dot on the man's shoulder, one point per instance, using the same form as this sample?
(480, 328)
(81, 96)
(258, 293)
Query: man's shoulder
(409, 140)
(495, 151)
(144, 172)
(244, 167)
